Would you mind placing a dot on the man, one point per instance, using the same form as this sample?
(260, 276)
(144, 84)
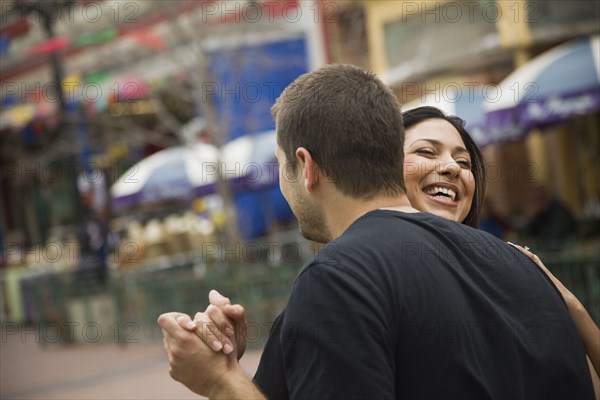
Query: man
(398, 304)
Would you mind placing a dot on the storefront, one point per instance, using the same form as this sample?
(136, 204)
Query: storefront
(551, 103)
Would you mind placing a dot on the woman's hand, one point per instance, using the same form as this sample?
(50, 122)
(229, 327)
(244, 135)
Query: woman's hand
(572, 302)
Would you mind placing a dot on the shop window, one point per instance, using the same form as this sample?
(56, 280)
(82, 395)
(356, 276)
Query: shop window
(555, 20)
(444, 34)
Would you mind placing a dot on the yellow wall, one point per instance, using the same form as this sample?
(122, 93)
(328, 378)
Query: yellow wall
(588, 150)
(568, 188)
(537, 154)
(512, 25)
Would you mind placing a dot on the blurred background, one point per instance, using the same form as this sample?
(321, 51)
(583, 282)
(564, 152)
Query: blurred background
(137, 169)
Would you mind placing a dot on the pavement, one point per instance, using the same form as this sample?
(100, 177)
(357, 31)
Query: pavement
(31, 370)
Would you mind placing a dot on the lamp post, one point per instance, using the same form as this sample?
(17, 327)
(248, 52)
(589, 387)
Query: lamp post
(68, 113)
(43, 10)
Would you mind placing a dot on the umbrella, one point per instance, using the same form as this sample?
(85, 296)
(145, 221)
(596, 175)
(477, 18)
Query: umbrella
(249, 162)
(555, 86)
(246, 163)
(181, 172)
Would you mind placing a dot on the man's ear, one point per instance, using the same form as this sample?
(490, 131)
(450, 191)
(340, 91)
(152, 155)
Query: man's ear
(310, 169)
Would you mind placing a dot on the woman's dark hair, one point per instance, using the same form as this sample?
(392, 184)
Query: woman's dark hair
(420, 114)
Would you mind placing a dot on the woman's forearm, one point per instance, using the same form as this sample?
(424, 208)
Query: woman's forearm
(588, 330)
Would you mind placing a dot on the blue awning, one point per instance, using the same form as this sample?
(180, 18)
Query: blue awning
(557, 85)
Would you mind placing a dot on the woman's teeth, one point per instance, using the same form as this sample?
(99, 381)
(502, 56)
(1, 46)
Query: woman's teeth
(440, 191)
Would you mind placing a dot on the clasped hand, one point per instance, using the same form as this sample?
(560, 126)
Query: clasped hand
(204, 350)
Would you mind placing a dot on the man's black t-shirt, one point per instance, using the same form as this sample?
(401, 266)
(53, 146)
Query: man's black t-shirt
(414, 306)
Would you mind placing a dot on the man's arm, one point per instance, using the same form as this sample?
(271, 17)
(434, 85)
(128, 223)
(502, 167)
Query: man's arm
(200, 369)
(587, 328)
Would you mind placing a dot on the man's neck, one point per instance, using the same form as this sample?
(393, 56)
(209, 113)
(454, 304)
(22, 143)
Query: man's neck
(341, 213)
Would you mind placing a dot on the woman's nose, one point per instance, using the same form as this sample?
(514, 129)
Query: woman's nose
(448, 166)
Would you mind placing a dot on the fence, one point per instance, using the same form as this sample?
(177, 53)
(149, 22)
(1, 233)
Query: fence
(125, 307)
(581, 275)
(262, 289)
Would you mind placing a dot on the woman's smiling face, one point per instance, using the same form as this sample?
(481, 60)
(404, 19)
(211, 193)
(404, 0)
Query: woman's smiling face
(437, 170)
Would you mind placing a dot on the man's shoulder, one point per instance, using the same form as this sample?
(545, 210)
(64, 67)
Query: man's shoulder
(381, 224)
(406, 239)
(387, 243)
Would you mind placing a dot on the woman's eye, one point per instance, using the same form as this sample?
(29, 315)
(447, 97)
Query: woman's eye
(464, 164)
(426, 151)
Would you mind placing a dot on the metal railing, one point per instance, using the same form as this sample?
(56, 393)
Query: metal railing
(127, 304)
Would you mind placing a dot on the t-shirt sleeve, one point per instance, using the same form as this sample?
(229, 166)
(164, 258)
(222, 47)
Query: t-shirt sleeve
(336, 338)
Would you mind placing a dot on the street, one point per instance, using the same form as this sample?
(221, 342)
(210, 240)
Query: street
(90, 371)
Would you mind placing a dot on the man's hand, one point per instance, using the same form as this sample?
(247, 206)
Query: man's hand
(193, 363)
(220, 322)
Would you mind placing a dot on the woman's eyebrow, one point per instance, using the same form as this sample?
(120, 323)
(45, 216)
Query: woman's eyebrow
(437, 143)
(432, 141)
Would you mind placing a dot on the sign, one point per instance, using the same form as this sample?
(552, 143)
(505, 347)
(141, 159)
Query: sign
(247, 75)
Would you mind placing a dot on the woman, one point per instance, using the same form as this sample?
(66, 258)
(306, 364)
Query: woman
(444, 172)
(433, 152)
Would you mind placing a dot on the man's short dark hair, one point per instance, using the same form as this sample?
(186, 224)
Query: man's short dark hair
(351, 123)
